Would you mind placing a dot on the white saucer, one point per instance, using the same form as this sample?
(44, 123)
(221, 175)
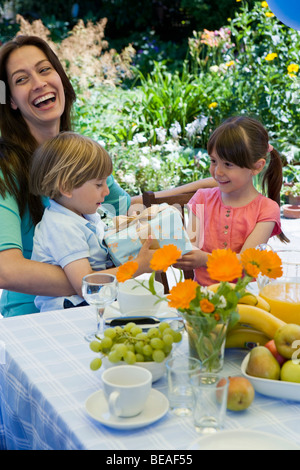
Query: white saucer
(156, 407)
(242, 440)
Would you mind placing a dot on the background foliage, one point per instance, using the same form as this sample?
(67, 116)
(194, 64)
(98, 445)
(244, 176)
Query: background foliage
(153, 102)
(171, 19)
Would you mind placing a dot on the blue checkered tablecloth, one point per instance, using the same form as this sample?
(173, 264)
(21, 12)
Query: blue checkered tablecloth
(45, 380)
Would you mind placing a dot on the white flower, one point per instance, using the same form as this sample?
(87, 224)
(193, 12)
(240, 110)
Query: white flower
(202, 122)
(143, 162)
(175, 130)
(139, 139)
(173, 156)
(171, 146)
(129, 179)
(155, 163)
(207, 292)
(214, 68)
(196, 127)
(145, 150)
(290, 155)
(161, 134)
(222, 302)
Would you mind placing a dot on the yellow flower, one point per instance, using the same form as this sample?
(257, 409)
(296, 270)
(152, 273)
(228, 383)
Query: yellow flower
(271, 56)
(207, 306)
(164, 257)
(126, 271)
(224, 265)
(213, 105)
(229, 64)
(293, 68)
(182, 294)
(269, 14)
(264, 4)
(292, 75)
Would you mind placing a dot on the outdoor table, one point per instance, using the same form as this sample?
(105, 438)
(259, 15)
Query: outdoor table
(45, 380)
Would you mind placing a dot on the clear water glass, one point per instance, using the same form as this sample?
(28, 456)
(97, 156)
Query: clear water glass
(99, 290)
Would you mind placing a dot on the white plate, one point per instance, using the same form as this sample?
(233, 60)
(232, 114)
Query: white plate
(156, 407)
(242, 440)
(272, 388)
(164, 310)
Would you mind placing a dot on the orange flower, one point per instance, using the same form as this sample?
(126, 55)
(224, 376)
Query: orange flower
(182, 294)
(164, 257)
(224, 265)
(267, 263)
(252, 270)
(206, 306)
(126, 271)
(272, 265)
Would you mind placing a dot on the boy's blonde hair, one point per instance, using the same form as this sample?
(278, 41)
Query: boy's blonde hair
(66, 162)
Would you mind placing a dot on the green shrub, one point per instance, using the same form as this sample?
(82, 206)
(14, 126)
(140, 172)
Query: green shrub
(248, 67)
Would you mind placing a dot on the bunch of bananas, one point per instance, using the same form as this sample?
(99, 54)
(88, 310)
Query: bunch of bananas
(256, 325)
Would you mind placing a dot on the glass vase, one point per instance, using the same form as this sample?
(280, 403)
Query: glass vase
(206, 340)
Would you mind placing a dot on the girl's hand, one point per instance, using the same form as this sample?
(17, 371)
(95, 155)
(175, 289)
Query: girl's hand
(192, 260)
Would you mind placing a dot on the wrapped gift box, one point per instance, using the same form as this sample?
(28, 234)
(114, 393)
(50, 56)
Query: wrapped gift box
(164, 224)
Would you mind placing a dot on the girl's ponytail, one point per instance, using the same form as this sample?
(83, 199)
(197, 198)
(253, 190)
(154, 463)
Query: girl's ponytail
(272, 181)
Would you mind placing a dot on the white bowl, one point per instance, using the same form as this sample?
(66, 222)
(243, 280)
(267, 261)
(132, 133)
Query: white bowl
(272, 388)
(157, 369)
(137, 300)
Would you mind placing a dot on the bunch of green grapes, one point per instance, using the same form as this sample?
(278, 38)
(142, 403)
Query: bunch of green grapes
(131, 344)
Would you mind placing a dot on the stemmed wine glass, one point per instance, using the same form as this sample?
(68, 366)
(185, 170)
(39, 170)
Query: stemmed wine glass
(99, 289)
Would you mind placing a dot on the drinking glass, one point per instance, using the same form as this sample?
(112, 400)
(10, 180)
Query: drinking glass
(99, 289)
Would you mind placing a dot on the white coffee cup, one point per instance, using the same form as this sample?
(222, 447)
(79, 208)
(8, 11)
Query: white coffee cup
(137, 300)
(126, 389)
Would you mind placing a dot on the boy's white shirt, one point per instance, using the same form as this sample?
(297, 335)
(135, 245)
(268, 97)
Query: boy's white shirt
(87, 231)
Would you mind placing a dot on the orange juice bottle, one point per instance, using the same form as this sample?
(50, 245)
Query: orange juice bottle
(284, 300)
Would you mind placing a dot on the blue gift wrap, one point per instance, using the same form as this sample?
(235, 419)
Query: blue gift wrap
(164, 224)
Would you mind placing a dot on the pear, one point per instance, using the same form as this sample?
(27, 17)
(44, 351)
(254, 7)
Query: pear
(263, 364)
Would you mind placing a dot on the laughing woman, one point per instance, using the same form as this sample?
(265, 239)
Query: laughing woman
(39, 100)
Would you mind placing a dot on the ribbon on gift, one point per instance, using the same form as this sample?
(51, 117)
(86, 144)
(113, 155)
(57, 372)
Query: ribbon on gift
(123, 221)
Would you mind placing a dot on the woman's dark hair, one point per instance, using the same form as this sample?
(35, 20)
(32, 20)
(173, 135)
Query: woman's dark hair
(18, 144)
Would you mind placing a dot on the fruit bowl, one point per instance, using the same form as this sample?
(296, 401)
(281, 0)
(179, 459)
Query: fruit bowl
(272, 388)
(157, 369)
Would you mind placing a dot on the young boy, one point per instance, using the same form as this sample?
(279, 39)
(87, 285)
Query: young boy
(71, 170)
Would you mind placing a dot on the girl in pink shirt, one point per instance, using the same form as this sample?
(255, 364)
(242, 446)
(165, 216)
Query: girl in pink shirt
(234, 214)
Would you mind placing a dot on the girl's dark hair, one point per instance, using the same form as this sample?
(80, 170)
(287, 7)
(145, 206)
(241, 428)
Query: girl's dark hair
(18, 143)
(243, 140)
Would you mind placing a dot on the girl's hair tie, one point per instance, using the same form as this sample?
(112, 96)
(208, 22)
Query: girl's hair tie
(270, 148)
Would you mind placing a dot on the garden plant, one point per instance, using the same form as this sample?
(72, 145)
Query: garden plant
(155, 122)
